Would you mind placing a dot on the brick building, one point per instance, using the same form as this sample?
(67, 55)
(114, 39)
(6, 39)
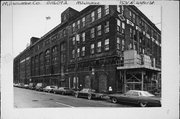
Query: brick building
(98, 47)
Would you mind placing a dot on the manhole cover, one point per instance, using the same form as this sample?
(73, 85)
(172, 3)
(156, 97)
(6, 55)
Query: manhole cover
(51, 99)
(34, 100)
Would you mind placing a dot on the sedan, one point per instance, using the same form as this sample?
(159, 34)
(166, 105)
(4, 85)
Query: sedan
(138, 97)
(39, 86)
(88, 93)
(26, 86)
(49, 88)
(32, 86)
(64, 91)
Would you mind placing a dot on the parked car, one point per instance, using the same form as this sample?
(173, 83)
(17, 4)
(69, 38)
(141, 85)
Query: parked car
(49, 88)
(21, 85)
(138, 97)
(88, 93)
(15, 85)
(26, 86)
(64, 91)
(32, 86)
(18, 85)
(39, 87)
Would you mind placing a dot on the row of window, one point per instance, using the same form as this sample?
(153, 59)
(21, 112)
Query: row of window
(90, 18)
(81, 51)
(82, 36)
(135, 19)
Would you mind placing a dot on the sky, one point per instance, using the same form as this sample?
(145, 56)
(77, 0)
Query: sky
(30, 21)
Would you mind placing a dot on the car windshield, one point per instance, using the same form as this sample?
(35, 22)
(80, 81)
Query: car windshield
(145, 93)
(47, 86)
(53, 86)
(128, 93)
(66, 88)
(39, 84)
(85, 90)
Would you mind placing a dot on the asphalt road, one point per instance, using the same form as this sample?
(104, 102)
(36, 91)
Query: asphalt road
(25, 98)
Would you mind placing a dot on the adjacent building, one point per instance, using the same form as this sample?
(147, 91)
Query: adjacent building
(100, 47)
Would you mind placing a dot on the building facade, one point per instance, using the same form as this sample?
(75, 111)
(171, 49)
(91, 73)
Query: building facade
(99, 47)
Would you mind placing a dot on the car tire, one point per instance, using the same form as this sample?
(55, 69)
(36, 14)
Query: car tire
(143, 104)
(76, 95)
(114, 100)
(89, 97)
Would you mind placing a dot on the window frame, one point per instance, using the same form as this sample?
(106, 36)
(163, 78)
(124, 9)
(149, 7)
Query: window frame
(99, 28)
(106, 44)
(106, 27)
(106, 9)
(92, 51)
(99, 13)
(92, 16)
(83, 49)
(83, 22)
(99, 47)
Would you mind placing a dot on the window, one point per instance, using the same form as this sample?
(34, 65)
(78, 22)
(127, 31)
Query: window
(118, 43)
(106, 27)
(64, 32)
(99, 30)
(123, 27)
(73, 53)
(92, 16)
(99, 13)
(77, 38)
(130, 13)
(92, 48)
(118, 8)
(83, 36)
(83, 21)
(106, 7)
(83, 51)
(74, 40)
(41, 57)
(123, 45)
(134, 34)
(78, 24)
(118, 25)
(73, 27)
(54, 60)
(78, 52)
(92, 33)
(131, 32)
(130, 46)
(54, 50)
(63, 53)
(47, 61)
(99, 47)
(106, 45)
(134, 18)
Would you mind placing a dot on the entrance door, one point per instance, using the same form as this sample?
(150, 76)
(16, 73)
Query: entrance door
(87, 82)
(102, 83)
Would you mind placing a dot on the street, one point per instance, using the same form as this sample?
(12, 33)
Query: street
(25, 98)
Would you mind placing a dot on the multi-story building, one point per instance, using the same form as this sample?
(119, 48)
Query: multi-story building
(98, 47)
